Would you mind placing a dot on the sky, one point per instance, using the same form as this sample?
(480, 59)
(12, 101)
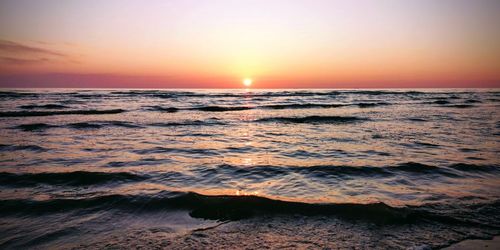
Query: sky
(277, 43)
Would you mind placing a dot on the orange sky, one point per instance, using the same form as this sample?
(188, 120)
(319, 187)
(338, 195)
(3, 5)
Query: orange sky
(279, 44)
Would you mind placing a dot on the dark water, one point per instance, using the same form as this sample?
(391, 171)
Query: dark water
(234, 168)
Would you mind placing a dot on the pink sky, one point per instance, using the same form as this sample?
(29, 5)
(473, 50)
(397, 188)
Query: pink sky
(279, 44)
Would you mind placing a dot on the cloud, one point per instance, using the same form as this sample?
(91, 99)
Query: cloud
(20, 55)
(23, 61)
(15, 48)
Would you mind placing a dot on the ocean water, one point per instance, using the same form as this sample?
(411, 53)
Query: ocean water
(248, 168)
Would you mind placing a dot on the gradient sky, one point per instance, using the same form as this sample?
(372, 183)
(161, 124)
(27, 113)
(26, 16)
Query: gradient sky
(278, 43)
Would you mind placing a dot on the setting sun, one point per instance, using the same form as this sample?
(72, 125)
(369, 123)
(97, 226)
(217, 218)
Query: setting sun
(247, 82)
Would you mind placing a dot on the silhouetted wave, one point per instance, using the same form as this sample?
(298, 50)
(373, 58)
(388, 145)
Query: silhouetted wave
(234, 207)
(157, 94)
(472, 168)
(163, 109)
(101, 124)
(68, 112)
(273, 106)
(220, 108)
(302, 106)
(34, 148)
(426, 144)
(371, 104)
(34, 126)
(187, 123)
(314, 119)
(416, 119)
(16, 94)
(84, 125)
(87, 96)
(77, 125)
(123, 124)
(158, 150)
(448, 104)
(299, 93)
(461, 106)
(327, 171)
(472, 101)
(45, 106)
(440, 102)
(78, 178)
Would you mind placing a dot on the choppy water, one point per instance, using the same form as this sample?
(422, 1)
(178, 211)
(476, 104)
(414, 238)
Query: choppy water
(279, 168)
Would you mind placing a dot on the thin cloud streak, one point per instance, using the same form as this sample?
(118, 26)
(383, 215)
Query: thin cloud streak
(19, 55)
(13, 47)
(23, 61)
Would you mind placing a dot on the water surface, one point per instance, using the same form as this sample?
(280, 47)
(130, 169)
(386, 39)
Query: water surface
(184, 168)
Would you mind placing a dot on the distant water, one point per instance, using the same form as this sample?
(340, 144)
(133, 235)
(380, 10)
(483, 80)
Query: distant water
(262, 168)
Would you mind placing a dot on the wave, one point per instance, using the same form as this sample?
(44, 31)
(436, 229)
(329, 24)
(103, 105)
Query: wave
(12, 94)
(473, 101)
(382, 92)
(328, 171)
(228, 207)
(453, 170)
(221, 109)
(285, 93)
(472, 168)
(188, 151)
(314, 119)
(233, 207)
(461, 106)
(272, 106)
(417, 119)
(371, 104)
(223, 207)
(440, 102)
(336, 92)
(157, 94)
(34, 148)
(68, 112)
(447, 104)
(240, 108)
(45, 106)
(163, 109)
(302, 106)
(279, 94)
(78, 178)
(187, 123)
(34, 127)
(121, 124)
(97, 125)
(72, 101)
(88, 96)
(84, 125)
(78, 125)
(426, 144)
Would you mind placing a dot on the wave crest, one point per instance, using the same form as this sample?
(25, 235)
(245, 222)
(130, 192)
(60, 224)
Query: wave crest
(77, 178)
(314, 119)
(68, 112)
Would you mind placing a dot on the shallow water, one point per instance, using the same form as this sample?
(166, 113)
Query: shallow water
(86, 168)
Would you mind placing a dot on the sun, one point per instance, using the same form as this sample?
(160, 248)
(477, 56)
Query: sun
(247, 82)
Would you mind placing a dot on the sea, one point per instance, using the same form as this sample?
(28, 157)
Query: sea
(243, 168)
